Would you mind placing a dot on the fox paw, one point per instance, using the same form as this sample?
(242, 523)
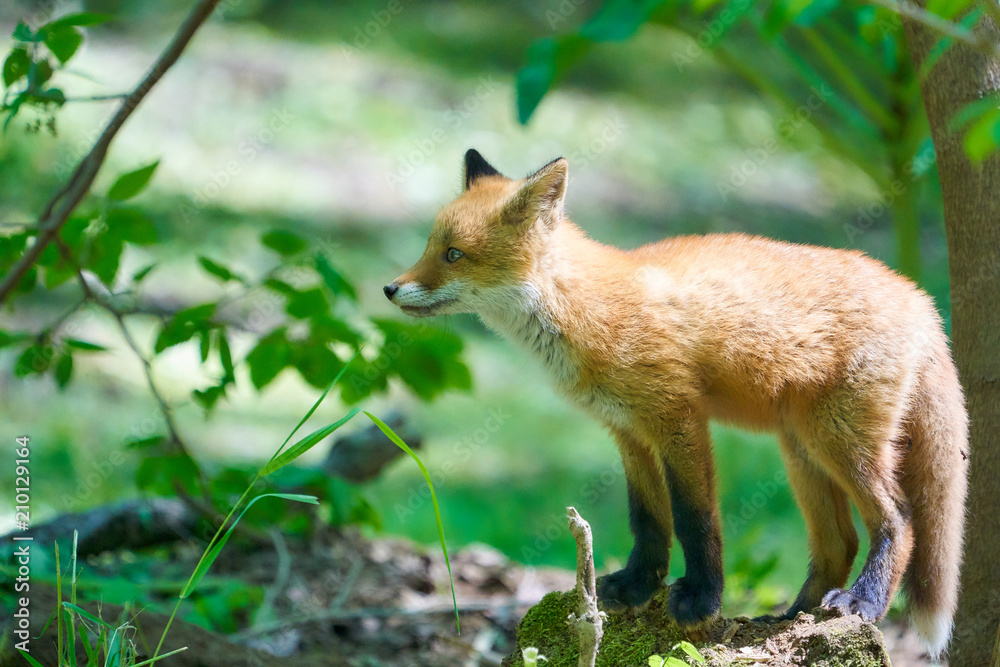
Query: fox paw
(626, 589)
(848, 603)
(693, 604)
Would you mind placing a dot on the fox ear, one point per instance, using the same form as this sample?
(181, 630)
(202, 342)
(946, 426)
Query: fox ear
(542, 195)
(476, 167)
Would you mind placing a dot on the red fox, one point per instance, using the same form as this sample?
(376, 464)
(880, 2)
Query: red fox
(845, 360)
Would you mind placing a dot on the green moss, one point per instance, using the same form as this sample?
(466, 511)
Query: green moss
(629, 639)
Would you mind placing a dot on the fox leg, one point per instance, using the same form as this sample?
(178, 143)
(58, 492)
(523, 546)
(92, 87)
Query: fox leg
(863, 462)
(651, 525)
(696, 597)
(833, 542)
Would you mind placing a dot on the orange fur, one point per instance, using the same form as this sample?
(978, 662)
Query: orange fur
(841, 356)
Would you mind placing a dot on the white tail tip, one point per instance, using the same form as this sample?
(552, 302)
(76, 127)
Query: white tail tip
(934, 627)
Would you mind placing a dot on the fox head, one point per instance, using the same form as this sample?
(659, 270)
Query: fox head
(486, 244)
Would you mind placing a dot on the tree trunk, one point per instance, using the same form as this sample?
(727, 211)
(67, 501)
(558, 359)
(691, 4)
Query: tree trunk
(972, 221)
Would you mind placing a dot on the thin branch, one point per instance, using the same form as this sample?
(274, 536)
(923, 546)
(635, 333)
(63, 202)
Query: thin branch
(59, 208)
(588, 621)
(98, 98)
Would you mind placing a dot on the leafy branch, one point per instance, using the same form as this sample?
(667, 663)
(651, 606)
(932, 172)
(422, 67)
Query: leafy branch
(65, 201)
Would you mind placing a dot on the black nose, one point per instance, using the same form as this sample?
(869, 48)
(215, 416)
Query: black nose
(389, 290)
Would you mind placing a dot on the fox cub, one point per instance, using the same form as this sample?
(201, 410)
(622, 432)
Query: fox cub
(842, 358)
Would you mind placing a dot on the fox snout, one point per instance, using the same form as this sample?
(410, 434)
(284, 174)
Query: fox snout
(390, 290)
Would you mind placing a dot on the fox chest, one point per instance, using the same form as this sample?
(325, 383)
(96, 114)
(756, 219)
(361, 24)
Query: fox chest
(604, 398)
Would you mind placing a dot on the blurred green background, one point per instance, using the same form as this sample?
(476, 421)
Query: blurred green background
(346, 123)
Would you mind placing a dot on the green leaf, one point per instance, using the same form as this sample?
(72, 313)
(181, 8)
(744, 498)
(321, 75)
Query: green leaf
(283, 242)
(80, 19)
(317, 364)
(225, 356)
(206, 344)
(78, 344)
(130, 184)
(268, 358)
(982, 137)
(655, 661)
(64, 369)
(217, 270)
(145, 443)
(185, 325)
(16, 66)
(63, 42)
(207, 398)
(35, 360)
(305, 444)
(618, 20)
(209, 558)
(43, 72)
(132, 225)
(336, 282)
(141, 274)
(547, 59)
(692, 652)
(389, 433)
(281, 287)
(7, 339)
(307, 303)
(426, 358)
(23, 33)
(105, 256)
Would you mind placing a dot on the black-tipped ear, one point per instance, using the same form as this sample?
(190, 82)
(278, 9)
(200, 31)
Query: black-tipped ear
(476, 167)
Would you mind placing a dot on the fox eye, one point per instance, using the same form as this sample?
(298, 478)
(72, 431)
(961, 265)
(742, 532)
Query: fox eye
(454, 254)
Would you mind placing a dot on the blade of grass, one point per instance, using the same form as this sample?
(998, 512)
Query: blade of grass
(91, 652)
(72, 597)
(157, 659)
(317, 403)
(305, 444)
(59, 601)
(207, 562)
(86, 614)
(218, 533)
(389, 433)
(31, 661)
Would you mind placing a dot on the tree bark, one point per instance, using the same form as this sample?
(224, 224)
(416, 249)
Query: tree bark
(972, 221)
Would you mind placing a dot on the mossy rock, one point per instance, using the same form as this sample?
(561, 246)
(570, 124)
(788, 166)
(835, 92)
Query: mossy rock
(630, 639)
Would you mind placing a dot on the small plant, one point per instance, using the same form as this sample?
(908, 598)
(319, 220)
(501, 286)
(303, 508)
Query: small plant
(532, 656)
(671, 661)
(114, 642)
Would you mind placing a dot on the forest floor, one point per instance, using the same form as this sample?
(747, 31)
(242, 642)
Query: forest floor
(342, 599)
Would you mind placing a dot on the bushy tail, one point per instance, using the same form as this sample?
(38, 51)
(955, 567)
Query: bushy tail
(934, 479)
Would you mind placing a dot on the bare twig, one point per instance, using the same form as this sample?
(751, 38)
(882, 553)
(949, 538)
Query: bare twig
(588, 620)
(59, 208)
